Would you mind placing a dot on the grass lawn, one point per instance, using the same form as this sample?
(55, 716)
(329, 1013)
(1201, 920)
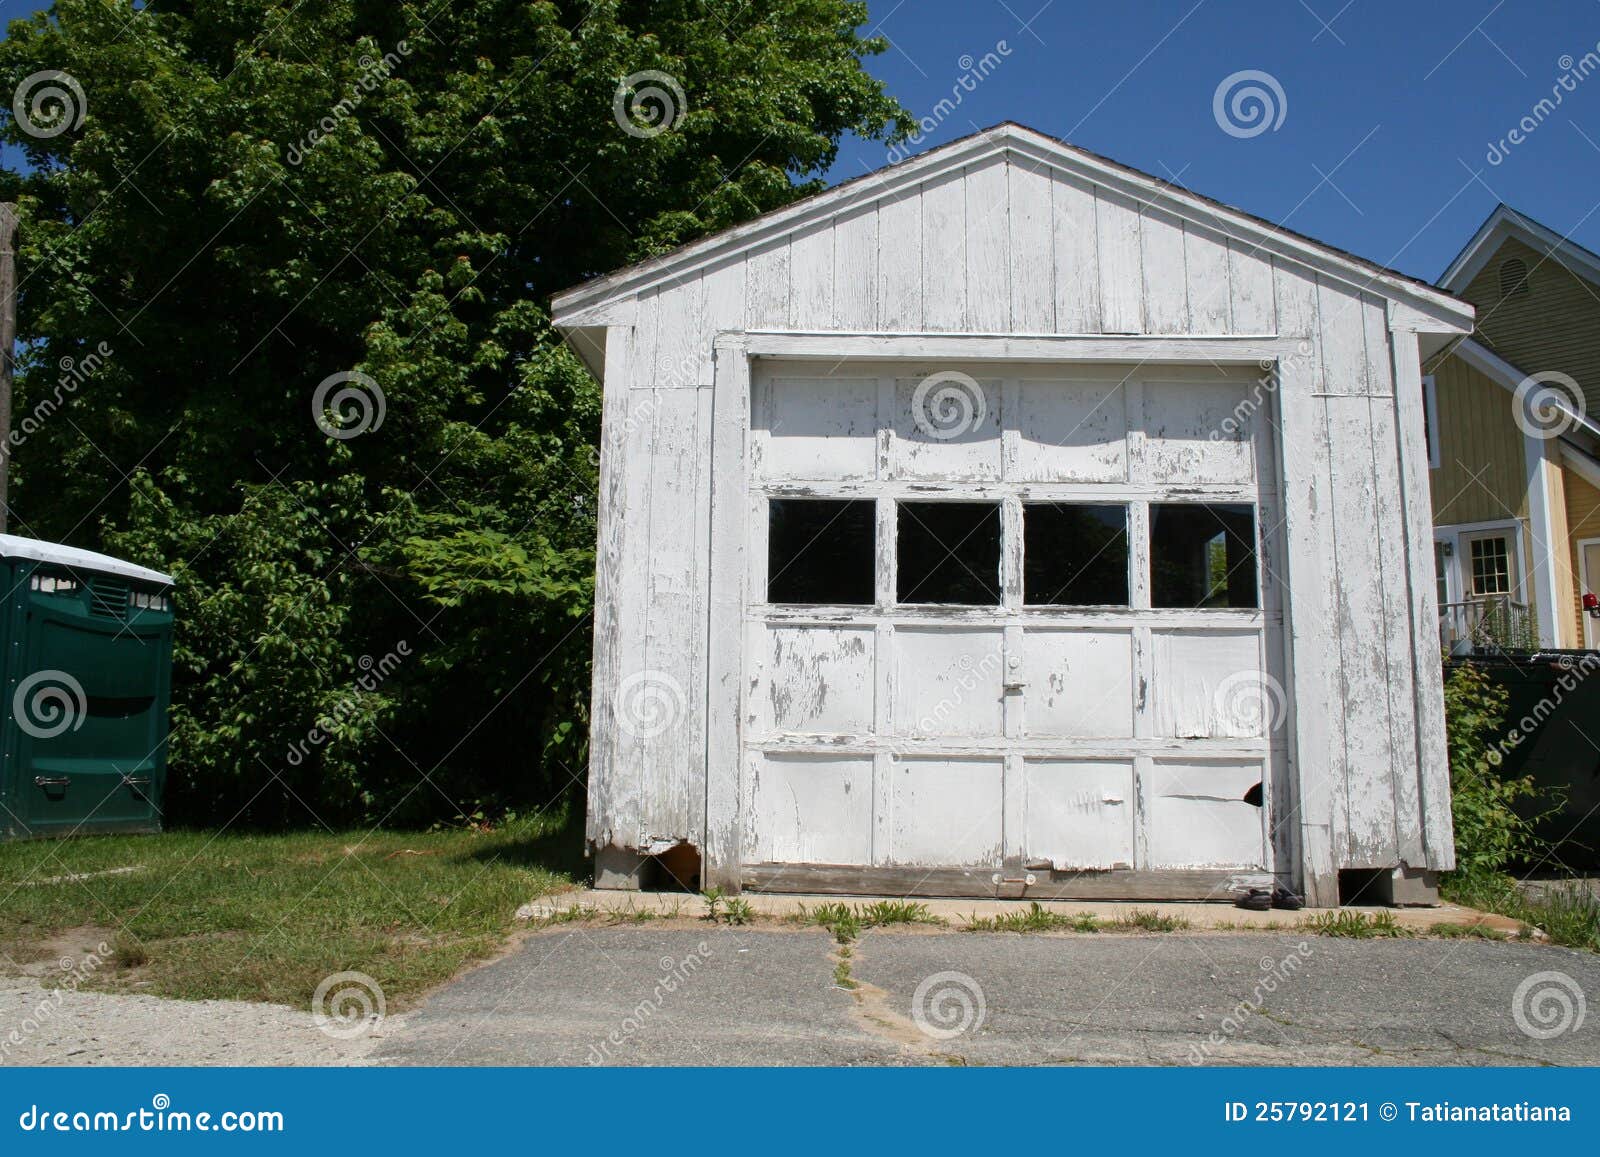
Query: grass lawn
(249, 917)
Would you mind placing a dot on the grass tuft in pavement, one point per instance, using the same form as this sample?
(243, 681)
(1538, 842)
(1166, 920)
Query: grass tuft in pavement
(846, 922)
(1035, 918)
(1348, 925)
(1146, 920)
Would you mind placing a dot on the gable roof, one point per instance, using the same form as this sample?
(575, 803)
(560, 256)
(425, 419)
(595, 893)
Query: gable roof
(1505, 223)
(586, 304)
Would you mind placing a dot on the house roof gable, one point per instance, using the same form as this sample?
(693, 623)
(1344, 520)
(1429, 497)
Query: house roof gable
(588, 304)
(1503, 224)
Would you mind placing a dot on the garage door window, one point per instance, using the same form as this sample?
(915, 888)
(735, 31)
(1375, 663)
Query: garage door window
(1202, 555)
(820, 552)
(949, 552)
(1075, 555)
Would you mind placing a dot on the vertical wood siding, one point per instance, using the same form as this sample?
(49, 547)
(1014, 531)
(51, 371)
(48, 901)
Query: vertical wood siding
(1482, 476)
(1007, 246)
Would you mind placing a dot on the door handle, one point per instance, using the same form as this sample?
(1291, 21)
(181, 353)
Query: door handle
(52, 781)
(1013, 686)
(136, 781)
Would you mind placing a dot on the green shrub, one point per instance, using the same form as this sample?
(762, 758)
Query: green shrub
(1491, 833)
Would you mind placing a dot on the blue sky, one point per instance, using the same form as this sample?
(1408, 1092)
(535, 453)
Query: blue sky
(1390, 106)
(1389, 110)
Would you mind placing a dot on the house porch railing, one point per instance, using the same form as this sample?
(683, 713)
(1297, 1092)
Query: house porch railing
(1486, 625)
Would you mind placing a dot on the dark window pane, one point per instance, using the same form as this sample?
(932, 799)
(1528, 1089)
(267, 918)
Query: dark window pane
(1202, 555)
(949, 552)
(820, 551)
(1074, 555)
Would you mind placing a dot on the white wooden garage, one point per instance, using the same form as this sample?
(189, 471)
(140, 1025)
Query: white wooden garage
(1009, 522)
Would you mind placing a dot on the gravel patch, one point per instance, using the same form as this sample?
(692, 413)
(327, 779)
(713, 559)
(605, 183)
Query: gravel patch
(42, 1025)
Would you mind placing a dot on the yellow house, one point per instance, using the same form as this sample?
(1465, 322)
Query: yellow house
(1514, 446)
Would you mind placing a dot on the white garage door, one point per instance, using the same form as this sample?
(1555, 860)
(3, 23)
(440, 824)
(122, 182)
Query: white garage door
(1011, 619)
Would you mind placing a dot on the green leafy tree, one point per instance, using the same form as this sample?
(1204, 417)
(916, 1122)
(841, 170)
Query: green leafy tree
(251, 196)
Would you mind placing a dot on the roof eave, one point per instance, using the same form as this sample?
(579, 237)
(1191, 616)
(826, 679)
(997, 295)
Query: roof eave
(587, 304)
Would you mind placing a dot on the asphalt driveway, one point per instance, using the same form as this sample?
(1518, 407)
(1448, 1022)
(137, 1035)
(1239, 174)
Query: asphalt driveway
(583, 994)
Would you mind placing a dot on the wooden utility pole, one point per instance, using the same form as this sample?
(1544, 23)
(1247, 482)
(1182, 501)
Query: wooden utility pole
(8, 339)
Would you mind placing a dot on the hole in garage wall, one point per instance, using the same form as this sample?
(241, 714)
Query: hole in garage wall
(820, 551)
(1363, 887)
(675, 870)
(949, 553)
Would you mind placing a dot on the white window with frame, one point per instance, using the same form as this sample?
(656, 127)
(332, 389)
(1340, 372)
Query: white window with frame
(1491, 566)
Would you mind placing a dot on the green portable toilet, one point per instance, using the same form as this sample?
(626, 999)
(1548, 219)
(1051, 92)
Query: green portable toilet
(87, 642)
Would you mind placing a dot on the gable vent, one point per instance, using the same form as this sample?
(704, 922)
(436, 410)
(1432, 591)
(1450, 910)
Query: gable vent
(1513, 278)
(108, 597)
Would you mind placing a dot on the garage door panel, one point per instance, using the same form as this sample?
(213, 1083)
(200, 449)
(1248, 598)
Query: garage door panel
(1078, 813)
(1199, 432)
(821, 429)
(1207, 684)
(1197, 815)
(946, 812)
(1049, 714)
(947, 429)
(1079, 684)
(948, 681)
(1071, 431)
(815, 680)
(809, 809)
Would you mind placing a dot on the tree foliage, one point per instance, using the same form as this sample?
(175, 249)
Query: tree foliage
(264, 193)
